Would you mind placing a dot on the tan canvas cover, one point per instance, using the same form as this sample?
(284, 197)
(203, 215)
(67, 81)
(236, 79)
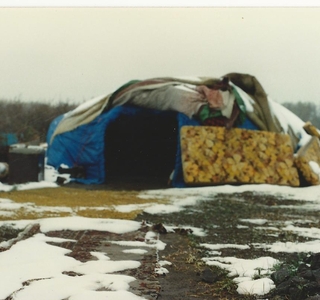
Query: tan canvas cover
(160, 93)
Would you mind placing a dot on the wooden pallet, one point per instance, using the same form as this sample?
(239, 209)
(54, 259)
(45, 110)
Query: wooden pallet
(214, 155)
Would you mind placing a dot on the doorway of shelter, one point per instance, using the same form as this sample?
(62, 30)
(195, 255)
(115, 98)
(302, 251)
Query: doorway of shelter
(140, 148)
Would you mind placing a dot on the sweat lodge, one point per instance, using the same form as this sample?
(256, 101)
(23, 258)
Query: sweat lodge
(199, 131)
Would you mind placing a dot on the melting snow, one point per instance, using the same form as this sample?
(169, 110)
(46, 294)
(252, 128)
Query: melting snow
(254, 221)
(34, 266)
(221, 246)
(245, 270)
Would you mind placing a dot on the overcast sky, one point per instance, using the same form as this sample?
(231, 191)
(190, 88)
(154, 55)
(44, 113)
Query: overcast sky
(79, 53)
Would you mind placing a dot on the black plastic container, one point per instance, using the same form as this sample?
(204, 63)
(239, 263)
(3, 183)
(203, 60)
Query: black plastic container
(26, 164)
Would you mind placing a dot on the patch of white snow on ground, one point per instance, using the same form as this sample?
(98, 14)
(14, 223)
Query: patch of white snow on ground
(135, 251)
(245, 270)
(82, 223)
(179, 198)
(312, 232)
(32, 267)
(157, 244)
(244, 267)
(222, 246)
(35, 185)
(259, 286)
(291, 247)
(126, 208)
(50, 177)
(254, 221)
(162, 209)
(5, 187)
(161, 270)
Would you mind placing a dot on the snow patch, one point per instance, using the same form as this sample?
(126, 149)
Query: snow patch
(254, 221)
(315, 167)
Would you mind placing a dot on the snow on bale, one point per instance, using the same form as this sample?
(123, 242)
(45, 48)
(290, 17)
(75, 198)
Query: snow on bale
(308, 161)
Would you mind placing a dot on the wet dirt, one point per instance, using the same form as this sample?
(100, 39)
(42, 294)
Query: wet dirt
(223, 219)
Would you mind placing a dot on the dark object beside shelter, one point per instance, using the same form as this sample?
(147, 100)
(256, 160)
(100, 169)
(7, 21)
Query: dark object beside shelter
(26, 164)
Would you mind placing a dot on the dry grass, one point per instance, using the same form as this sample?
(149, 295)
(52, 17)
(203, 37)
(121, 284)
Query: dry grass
(63, 201)
(72, 197)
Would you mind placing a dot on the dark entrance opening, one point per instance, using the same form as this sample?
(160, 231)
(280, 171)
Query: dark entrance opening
(141, 147)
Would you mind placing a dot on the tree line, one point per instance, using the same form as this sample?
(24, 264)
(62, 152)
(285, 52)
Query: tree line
(306, 111)
(30, 120)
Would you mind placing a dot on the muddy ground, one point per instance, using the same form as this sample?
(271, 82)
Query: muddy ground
(221, 217)
(190, 278)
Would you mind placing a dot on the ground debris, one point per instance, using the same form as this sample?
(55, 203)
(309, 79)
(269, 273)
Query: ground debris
(298, 282)
(207, 275)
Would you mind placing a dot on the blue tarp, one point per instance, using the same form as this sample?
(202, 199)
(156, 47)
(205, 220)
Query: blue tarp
(7, 139)
(84, 146)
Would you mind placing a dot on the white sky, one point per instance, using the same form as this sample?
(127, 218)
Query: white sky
(79, 53)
